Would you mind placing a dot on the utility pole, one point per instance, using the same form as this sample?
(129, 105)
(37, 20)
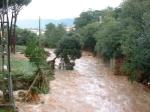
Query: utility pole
(39, 30)
(39, 26)
(100, 19)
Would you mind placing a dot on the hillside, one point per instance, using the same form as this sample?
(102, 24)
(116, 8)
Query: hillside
(33, 23)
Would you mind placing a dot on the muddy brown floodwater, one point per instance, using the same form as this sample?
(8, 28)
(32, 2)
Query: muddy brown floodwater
(91, 87)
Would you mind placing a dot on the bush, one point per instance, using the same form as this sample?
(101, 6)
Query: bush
(37, 56)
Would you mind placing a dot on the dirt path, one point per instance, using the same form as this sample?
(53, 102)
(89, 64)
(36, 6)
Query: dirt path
(91, 88)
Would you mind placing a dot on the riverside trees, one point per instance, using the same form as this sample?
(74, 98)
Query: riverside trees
(37, 56)
(136, 45)
(68, 50)
(53, 34)
(121, 32)
(67, 45)
(86, 25)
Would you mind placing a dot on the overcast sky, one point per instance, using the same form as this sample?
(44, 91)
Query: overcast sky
(60, 9)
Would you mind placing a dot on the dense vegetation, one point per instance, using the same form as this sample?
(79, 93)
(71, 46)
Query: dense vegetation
(120, 33)
(123, 32)
(37, 57)
(117, 33)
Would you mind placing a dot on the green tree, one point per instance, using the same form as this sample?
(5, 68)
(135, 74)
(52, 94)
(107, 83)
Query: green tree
(109, 36)
(68, 49)
(87, 17)
(23, 36)
(34, 52)
(36, 55)
(53, 34)
(136, 46)
(87, 36)
(86, 26)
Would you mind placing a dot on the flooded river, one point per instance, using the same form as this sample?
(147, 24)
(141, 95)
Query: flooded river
(91, 87)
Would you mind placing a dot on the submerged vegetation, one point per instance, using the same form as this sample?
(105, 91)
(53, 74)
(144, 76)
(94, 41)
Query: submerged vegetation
(68, 50)
(37, 57)
(120, 34)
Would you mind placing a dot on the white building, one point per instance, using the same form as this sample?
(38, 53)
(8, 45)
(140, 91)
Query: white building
(36, 30)
(70, 28)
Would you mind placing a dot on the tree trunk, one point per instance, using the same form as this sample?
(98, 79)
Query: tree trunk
(118, 66)
(13, 36)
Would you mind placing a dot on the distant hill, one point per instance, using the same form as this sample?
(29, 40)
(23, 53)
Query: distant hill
(33, 23)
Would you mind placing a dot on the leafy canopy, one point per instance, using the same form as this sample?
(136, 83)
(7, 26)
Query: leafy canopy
(53, 34)
(35, 53)
(109, 36)
(69, 48)
(23, 36)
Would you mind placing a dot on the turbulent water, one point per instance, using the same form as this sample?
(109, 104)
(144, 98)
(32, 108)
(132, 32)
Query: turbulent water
(91, 87)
